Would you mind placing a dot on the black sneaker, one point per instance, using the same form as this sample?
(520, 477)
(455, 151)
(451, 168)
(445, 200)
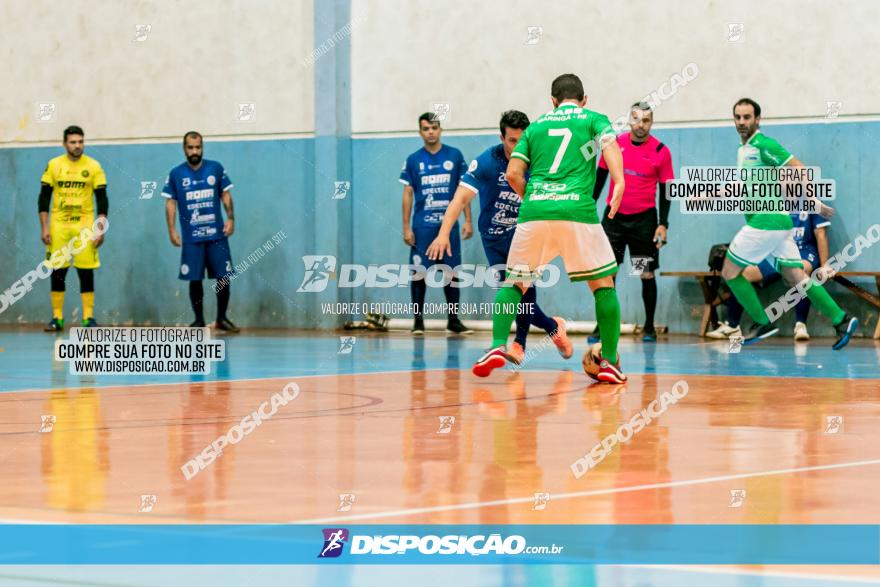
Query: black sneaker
(197, 324)
(649, 334)
(227, 325)
(418, 327)
(759, 332)
(455, 326)
(55, 325)
(845, 330)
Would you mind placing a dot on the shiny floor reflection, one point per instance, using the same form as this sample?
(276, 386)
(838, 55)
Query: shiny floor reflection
(399, 431)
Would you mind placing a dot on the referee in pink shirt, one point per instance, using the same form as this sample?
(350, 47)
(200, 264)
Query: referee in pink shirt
(647, 165)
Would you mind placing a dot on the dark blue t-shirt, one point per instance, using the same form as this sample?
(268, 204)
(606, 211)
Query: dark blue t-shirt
(197, 193)
(434, 179)
(805, 226)
(499, 204)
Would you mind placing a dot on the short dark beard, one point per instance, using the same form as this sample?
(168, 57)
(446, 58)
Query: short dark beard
(194, 159)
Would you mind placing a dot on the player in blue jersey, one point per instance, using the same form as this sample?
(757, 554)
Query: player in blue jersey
(195, 190)
(499, 209)
(810, 235)
(430, 177)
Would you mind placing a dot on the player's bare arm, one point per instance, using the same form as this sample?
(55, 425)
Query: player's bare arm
(467, 231)
(408, 236)
(516, 175)
(170, 217)
(614, 160)
(441, 246)
(822, 246)
(229, 225)
(825, 211)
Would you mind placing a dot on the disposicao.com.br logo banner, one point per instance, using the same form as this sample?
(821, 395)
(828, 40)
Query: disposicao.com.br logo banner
(472, 544)
(430, 544)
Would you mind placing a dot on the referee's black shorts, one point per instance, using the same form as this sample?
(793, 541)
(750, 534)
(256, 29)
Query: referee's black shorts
(635, 231)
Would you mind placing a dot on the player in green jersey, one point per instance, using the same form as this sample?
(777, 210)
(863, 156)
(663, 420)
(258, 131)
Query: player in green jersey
(558, 217)
(770, 234)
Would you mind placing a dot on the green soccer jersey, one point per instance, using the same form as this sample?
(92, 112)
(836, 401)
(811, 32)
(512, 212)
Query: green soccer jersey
(762, 151)
(562, 148)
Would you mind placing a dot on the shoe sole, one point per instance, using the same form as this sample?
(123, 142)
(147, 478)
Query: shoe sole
(565, 352)
(417, 332)
(563, 343)
(516, 360)
(723, 335)
(802, 338)
(565, 348)
(649, 339)
(844, 340)
(485, 368)
(749, 341)
(462, 332)
(607, 377)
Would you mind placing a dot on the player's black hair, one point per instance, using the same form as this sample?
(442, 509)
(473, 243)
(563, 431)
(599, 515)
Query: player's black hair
(751, 103)
(73, 130)
(192, 134)
(513, 119)
(567, 86)
(642, 106)
(429, 117)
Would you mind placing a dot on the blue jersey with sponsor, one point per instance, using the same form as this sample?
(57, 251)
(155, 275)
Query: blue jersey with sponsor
(805, 226)
(197, 193)
(499, 204)
(434, 179)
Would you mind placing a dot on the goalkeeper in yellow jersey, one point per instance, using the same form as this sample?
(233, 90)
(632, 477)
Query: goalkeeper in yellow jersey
(73, 218)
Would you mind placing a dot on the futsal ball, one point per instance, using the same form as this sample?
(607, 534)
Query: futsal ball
(592, 359)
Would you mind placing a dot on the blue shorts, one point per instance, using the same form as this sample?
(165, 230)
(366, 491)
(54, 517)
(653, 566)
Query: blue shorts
(810, 254)
(424, 238)
(496, 252)
(768, 265)
(769, 274)
(214, 256)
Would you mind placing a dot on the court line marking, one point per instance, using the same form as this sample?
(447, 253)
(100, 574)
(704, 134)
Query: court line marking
(388, 372)
(756, 573)
(28, 521)
(208, 381)
(587, 493)
(43, 580)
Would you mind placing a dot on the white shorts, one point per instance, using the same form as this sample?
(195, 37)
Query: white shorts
(584, 248)
(751, 245)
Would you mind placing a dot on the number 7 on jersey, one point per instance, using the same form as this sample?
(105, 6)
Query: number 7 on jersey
(560, 153)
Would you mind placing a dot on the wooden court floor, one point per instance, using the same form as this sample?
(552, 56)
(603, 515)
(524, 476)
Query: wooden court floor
(420, 440)
(388, 440)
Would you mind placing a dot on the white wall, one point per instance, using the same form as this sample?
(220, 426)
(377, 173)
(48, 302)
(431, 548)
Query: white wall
(793, 57)
(200, 60)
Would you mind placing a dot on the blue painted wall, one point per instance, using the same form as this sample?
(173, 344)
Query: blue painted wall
(275, 191)
(138, 277)
(846, 152)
